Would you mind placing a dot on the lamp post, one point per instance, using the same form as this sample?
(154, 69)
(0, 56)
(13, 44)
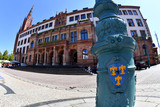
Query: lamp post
(114, 50)
(146, 38)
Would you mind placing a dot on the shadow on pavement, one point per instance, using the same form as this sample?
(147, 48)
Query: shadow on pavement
(9, 90)
(56, 101)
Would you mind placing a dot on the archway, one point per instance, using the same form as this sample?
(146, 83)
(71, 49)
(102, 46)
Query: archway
(22, 59)
(50, 58)
(73, 57)
(60, 57)
(42, 58)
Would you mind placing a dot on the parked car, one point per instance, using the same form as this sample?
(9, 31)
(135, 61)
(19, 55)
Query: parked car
(141, 65)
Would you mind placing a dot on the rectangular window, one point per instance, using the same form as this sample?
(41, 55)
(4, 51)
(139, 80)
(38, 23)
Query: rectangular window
(77, 17)
(71, 19)
(27, 49)
(18, 43)
(56, 37)
(130, 12)
(39, 28)
(65, 36)
(61, 36)
(53, 38)
(30, 58)
(124, 12)
(36, 29)
(30, 31)
(21, 42)
(43, 27)
(46, 25)
(130, 22)
(25, 41)
(33, 30)
(71, 36)
(134, 33)
(135, 12)
(40, 41)
(139, 22)
(28, 40)
(83, 16)
(23, 49)
(20, 50)
(46, 39)
(75, 36)
(143, 33)
(50, 25)
(89, 15)
(119, 13)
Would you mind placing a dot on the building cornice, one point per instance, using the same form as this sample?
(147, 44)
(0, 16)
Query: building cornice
(72, 13)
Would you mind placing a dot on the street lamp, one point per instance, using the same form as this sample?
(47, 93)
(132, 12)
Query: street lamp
(146, 38)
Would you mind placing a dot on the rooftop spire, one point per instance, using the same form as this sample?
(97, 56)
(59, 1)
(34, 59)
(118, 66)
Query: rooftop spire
(30, 13)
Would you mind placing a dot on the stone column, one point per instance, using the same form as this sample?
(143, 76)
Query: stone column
(44, 57)
(40, 59)
(65, 55)
(37, 57)
(54, 56)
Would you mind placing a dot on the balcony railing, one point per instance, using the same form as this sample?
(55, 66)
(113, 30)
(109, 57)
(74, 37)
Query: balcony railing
(47, 43)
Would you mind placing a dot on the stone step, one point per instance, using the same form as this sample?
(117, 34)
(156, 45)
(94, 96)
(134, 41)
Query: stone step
(63, 70)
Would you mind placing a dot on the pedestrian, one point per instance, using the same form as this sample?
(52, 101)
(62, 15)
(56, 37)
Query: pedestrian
(89, 69)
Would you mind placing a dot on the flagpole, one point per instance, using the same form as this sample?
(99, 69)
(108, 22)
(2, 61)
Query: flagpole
(157, 42)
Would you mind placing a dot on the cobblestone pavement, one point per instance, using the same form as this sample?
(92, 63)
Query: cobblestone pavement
(27, 89)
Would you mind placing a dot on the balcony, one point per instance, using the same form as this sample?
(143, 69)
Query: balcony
(57, 42)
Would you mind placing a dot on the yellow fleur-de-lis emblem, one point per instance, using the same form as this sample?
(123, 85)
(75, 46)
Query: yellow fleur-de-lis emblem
(118, 73)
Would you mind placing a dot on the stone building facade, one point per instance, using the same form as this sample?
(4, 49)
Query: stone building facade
(67, 38)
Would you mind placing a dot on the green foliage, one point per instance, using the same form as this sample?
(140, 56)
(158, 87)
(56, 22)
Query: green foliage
(1, 56)
(5, 55)
(11, 57)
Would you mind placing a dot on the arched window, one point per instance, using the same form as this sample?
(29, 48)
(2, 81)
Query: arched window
(84, 35)
(32, 44)
(85, 54)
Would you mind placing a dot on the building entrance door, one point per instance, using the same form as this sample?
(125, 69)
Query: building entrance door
(60, 56)
(73, 57)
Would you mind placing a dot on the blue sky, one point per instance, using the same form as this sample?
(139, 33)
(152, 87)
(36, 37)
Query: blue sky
(13, 13)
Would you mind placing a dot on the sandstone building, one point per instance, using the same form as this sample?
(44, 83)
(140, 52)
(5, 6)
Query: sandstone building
(66, 39)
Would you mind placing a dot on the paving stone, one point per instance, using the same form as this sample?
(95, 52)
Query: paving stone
(145, 104)
(141, 99)
(154, 100)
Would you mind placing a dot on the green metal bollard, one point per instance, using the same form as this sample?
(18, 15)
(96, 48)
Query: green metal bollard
(116, 70)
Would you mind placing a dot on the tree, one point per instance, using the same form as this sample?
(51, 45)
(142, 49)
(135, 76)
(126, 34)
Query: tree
(1, 56)
(5, 55)
(11, 57)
